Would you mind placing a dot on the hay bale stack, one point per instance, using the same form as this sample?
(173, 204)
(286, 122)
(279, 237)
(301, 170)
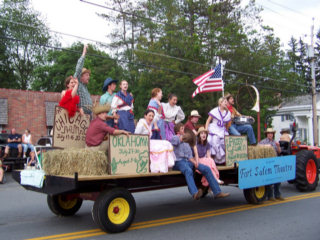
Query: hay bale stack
(69, 161)
(261, 151)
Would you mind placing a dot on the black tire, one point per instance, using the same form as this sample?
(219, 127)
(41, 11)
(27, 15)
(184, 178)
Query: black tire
(62, 205)
(255, 195)
(307, 171)
(114, 210)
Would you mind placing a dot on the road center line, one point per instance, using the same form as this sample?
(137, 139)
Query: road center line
(183, 218)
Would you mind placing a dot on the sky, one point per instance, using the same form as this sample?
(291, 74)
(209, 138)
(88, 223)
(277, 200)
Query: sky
(287, 18)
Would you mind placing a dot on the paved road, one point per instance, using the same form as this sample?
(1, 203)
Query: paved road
(167, 214)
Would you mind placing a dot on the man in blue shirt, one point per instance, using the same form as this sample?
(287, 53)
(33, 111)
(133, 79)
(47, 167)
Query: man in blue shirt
(185, 162)
(14, 141)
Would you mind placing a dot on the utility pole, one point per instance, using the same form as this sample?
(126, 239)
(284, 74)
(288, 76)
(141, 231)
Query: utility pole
(314, 96)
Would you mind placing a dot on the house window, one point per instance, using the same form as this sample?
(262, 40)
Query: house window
(302, 135)
(286, 118)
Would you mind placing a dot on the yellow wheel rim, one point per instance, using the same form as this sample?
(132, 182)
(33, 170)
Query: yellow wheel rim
(67, 204)
(259, 192)
(118, 210)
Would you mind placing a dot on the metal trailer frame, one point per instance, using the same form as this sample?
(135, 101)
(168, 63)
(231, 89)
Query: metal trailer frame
(114, 206)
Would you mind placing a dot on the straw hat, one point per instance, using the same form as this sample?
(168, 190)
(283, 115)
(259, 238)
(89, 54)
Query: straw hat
(202, 129)
(84, 70)
(101, 108)
(269, 130)
(194, 113)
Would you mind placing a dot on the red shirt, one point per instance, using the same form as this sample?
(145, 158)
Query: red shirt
(96, 132)
(189, 125)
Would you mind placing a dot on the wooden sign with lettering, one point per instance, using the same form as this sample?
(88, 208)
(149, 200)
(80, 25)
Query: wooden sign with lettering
(69, 132)
(236, 149)
(128, 155)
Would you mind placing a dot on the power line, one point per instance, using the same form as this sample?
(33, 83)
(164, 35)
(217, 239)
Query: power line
(163, 55)
(126, 13)
(285, 7)
(144, 65)
(226, 69)
(67, 34)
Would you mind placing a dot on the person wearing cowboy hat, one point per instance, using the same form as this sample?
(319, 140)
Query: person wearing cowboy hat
(98, 129)
(274, 189)
(192, 121)
(285, 135)
(109, 86)
(84, 75)
(269, 140)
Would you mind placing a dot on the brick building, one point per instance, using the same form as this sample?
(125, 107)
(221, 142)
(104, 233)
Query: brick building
(23, 109)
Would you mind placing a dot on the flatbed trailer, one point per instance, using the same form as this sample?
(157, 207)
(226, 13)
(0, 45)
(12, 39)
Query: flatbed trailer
(114, 206)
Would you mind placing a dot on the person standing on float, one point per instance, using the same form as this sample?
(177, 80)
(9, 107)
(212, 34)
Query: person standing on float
(122, 104)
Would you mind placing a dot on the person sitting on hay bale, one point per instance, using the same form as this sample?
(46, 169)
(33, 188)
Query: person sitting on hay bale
(98, 129)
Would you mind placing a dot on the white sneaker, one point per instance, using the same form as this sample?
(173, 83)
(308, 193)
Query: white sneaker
(220, 182)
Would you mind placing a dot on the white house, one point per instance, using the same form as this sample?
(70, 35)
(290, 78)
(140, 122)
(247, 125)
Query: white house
(301, 108)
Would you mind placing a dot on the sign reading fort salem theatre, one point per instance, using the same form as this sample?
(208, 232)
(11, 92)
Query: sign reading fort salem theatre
(128, 155)
(266, 171)
(69, 132)
(236, 149)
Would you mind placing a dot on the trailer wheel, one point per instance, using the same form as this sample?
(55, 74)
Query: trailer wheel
(255, 195)
(63, 205)
(114, 210)
(307, 171)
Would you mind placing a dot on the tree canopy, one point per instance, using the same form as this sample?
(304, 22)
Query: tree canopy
(161, 43)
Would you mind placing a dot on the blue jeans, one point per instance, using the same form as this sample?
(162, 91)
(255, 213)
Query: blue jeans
(26, 146)
(237, 129)
(273, 189)
(186, 167)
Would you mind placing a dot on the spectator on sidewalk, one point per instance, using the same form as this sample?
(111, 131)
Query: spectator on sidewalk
(14, 141)
(27, 143)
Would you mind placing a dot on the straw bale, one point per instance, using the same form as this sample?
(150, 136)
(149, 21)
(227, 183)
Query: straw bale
(261, 151)
(68, 161)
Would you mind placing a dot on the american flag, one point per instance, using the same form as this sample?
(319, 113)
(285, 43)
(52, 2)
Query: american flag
(209, 82)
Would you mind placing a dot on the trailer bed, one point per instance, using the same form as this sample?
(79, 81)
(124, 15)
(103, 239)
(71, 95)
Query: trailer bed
(54, 184)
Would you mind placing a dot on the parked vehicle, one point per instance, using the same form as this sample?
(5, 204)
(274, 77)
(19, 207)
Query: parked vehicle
(45, 141)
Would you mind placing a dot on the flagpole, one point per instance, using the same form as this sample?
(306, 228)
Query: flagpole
(222, 65)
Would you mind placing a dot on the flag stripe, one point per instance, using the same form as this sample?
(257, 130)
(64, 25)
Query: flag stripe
(210, 81)
(203, 77)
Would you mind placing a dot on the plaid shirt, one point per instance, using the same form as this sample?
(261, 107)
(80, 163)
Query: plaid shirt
(268, 141)
(85, 99)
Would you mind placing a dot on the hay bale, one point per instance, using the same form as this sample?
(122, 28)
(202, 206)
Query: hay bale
(261, 151)
(68, 161)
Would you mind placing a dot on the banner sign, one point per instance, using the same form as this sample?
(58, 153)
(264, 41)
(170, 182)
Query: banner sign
(266, 171)
(69, 132)
(236, 149)
(128, 155)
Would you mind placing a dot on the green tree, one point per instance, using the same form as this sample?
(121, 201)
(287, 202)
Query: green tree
(61, 63)
(22, 44)
(174, 41)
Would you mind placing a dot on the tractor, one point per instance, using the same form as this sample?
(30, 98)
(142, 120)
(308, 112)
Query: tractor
(307, 158)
